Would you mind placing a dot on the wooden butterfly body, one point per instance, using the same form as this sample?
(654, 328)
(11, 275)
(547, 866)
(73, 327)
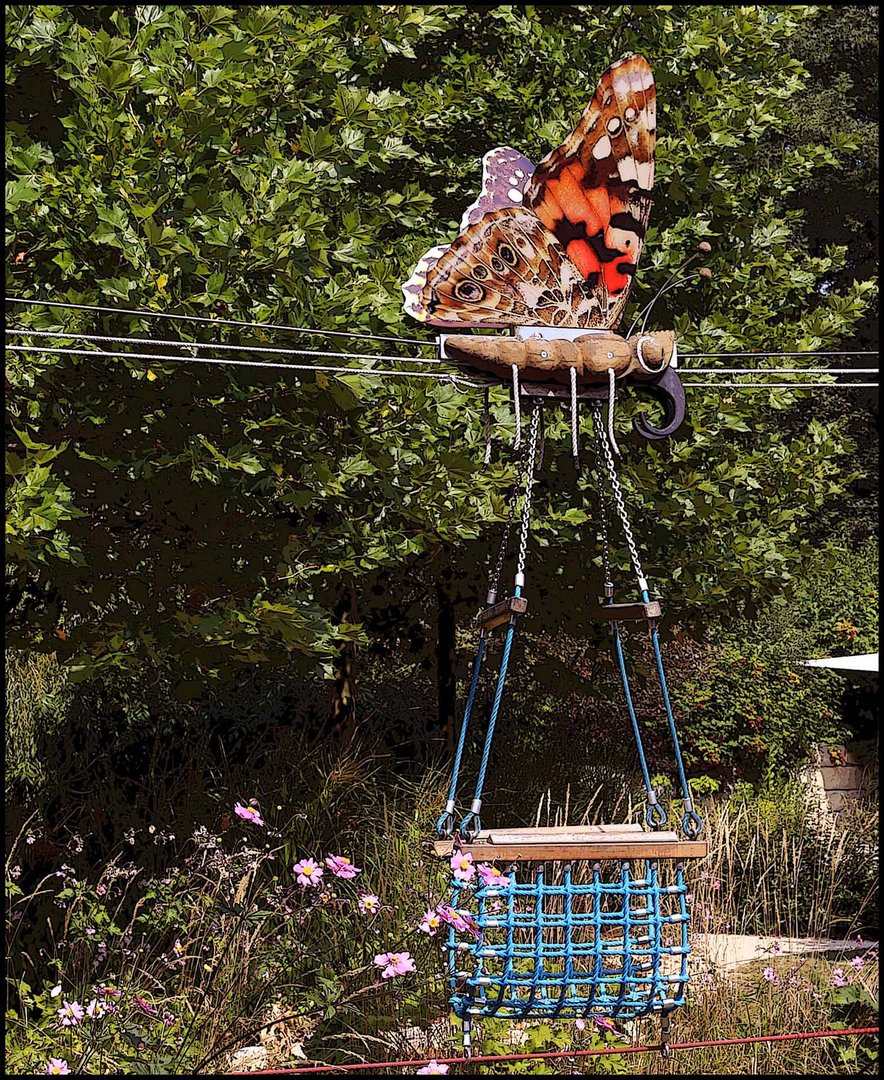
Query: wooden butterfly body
(556, 245)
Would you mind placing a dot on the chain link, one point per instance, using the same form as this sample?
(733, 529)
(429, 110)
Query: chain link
(603, 510)
(511, 513)
(618, 495)
(529, 484)
(504, 541)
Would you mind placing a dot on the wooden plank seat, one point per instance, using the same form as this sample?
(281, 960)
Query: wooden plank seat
(566, 843)
(501, 612)
(628, 612)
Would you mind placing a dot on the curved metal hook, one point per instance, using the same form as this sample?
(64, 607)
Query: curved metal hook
(668, 390)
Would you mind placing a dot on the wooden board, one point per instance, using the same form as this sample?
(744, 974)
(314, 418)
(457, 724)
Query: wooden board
(628, 612)
(501, 612)
(592, 842)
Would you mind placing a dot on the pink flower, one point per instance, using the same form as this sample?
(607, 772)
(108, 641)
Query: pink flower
(857, 963)
(838, 977)
(249, 813)
(145, 1006)
(394, 964)
(341, 867)
(776, 948)
(369, 904)
(96, 1009)
(462, 865)
(580, 1023)
(433, 1069)
(430, 923)
(309, 872)
(605, 1024)
(770, 975)
(460, 920)
(59, 1067)
(490, 875)
(70, 1013)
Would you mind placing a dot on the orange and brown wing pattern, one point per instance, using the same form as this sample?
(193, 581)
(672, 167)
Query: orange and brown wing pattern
(594, 192)
(506, 269)
(562, 248)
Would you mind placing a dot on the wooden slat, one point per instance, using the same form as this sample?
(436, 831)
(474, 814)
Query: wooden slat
(628, 612)
(580, 842)
(568, 835)
(550, 830)
(500, 612)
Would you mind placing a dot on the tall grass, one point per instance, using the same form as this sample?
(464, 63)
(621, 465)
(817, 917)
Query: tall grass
(211, 928)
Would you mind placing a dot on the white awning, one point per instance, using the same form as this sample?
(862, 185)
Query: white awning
(866, 662)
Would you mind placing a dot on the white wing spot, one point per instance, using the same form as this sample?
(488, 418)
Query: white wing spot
(520, 174)
(515, 194)
(630, 115)
(513, 180)
(614, 125)
(602, 148)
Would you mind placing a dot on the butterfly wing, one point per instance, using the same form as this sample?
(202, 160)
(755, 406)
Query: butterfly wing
(507, 269)
(562, 249)
(505, 175)
(594, 192)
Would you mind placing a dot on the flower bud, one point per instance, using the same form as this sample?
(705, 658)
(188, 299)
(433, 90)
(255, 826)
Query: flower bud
(704, 246)
(705, 273)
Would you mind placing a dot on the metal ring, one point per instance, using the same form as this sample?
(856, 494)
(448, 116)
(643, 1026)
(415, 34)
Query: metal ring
(641, 359)
(692, 825)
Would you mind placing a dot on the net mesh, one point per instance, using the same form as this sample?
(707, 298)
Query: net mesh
(550, 945)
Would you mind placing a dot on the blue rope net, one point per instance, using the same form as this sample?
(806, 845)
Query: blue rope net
(552, 946)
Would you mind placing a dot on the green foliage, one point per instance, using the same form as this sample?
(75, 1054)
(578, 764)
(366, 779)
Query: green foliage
(750, 715)
(753, 709)
(496, 1038)
(289, 165)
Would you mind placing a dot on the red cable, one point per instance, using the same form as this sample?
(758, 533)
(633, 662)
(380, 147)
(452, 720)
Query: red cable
(479, 1058)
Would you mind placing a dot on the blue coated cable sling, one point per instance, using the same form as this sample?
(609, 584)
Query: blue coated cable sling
(567, 939)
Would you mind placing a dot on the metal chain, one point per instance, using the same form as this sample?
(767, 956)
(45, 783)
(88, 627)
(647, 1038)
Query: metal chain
(511, 512)
(618, 499)
(612, 397)
(603, 510)
(529, 485)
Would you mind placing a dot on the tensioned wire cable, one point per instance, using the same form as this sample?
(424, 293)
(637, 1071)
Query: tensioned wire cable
(449, 377)
(159, 357)
(378, 337)
(217, 322)
(271, 350)
(68, 336)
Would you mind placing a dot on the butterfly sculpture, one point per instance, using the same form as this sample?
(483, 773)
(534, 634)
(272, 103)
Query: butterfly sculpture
(556, 245)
